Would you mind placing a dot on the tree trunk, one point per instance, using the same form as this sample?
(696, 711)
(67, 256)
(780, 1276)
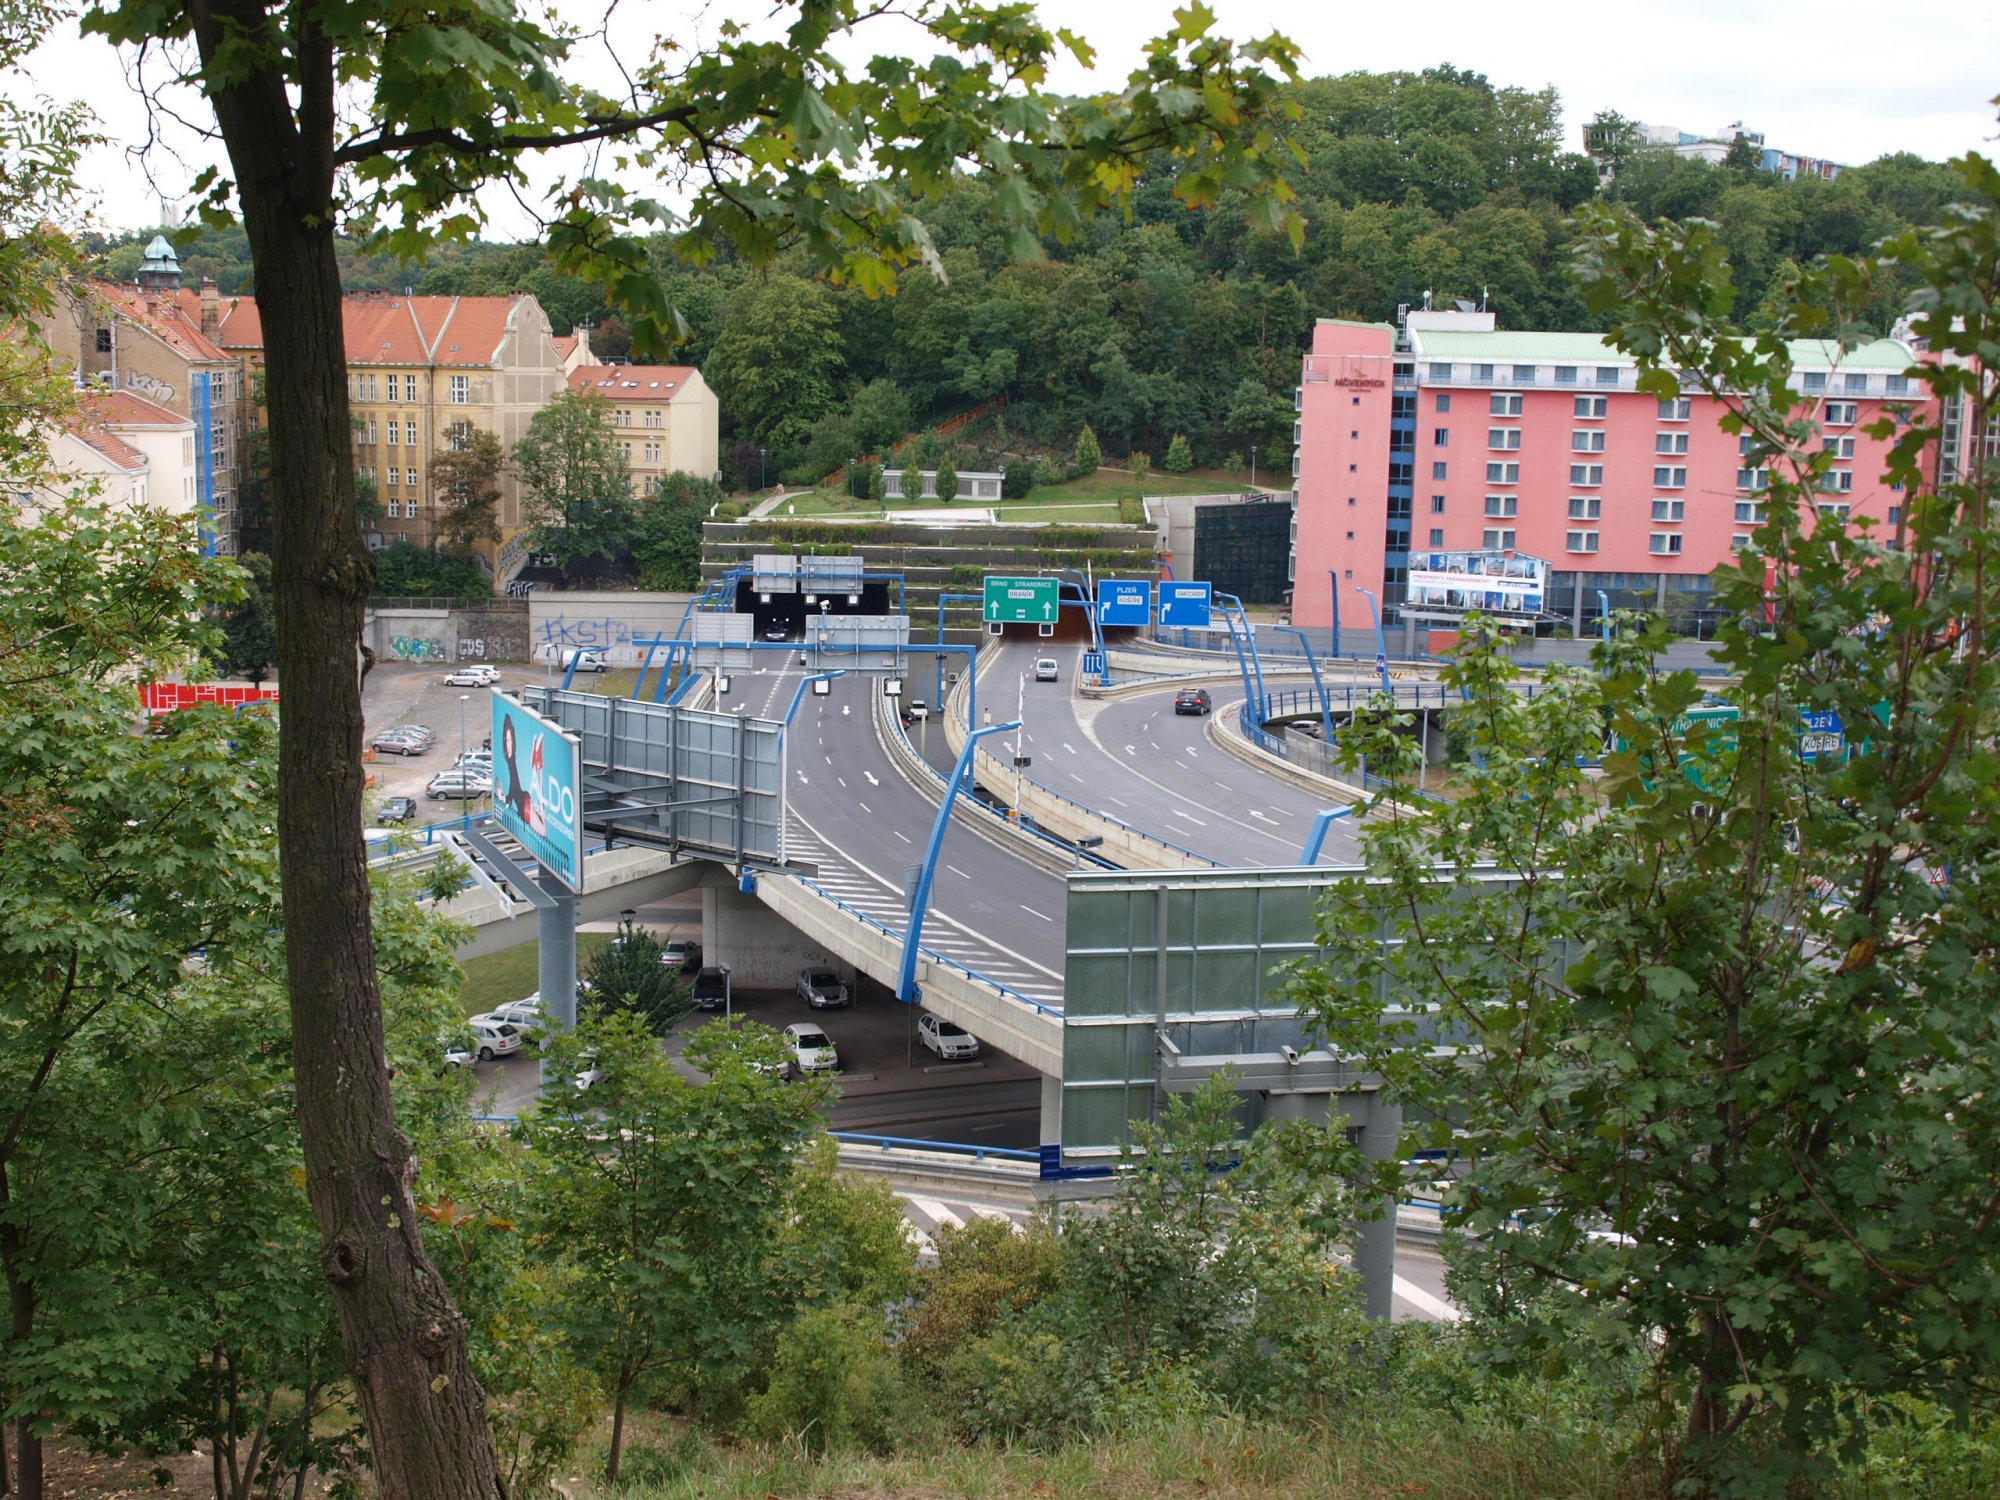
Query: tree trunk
(617, 1429)
(403, 1338)
(21, 1328)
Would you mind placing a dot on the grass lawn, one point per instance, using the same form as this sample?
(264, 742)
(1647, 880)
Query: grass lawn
(1089, 501)
(514, 973)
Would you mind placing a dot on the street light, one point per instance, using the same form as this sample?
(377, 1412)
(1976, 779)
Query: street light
(463, 699)
(1381, 641)
(1333, 587)
(1253, 467)
(906, 979)
(760, 467)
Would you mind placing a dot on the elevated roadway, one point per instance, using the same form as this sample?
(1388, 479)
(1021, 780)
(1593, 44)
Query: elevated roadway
(1135, 759)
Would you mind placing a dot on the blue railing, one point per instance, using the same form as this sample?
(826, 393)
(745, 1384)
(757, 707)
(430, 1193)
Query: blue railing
(953, 1148)
(932, 954)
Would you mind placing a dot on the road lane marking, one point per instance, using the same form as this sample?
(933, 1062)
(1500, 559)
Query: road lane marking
(1033, 913)
(1190, 817)
(900, 834)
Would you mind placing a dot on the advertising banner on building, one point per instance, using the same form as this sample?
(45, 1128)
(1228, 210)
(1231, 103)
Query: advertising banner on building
(1497, 582)
(537, 792)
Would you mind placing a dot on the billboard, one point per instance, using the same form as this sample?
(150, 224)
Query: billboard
(537, 795)
(1504, 583)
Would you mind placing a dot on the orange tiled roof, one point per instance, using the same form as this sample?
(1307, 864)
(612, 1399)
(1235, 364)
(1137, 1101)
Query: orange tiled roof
(564, 342)
(109, 444)
(644, 383)
(130, 409)
(238, 323)
(164, 318)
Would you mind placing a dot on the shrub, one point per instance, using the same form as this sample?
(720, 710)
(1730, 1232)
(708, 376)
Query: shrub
(1131, 511)
(947, 482)
(1180, 457)
(1141, 465)
(1049, 470)
(1088, 454)
(1017, 479)
(834, 1384)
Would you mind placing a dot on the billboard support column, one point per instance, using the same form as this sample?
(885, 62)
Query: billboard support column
(556, 927)
(1375, 1239)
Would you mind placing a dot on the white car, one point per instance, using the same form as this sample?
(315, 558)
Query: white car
(586, 659)
(494, 1038)
(476, 674)
(524, 1013)
(1047, 669)
(812, 1049)
(946, 1039)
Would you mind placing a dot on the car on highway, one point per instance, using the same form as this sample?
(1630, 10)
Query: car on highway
(916, 711)
(475, 674)
(462, 786)
(821, 988)
(1046, 669)
(493, 1039)
(683, 954)
(1193, 701)
(777, 633)
(711, 989)
(946, 1039)
(812, 1049)
(396, 810)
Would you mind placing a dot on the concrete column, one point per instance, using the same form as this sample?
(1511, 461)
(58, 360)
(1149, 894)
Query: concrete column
(557, 958)
(1375, 1240)
(1660, 595)
(1051, 1110)
(1576, 606)
(1409, 634)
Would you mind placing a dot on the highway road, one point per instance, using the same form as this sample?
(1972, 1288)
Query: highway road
(1136, 759)
(854, 815)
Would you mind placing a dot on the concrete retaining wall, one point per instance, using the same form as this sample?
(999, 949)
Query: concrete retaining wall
(498, 634)
(762, 949)
(608, 621)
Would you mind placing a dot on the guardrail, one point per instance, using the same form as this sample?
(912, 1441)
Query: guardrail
(1006, 991)
(950, 1148)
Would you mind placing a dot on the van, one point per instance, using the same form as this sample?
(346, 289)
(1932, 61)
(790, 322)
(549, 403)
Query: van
(587, 658)
(1046, 669)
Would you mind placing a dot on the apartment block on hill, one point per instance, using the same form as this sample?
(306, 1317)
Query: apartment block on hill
(665, 418)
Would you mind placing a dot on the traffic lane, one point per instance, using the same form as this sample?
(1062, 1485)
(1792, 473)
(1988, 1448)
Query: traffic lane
(1138, 761)
(1257, 818)
(854, 803)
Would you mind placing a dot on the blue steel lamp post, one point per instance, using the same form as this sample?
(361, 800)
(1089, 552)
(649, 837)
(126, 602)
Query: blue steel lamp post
(906, 978)
(1381, 641)
(1319, 683)
(1333, 585)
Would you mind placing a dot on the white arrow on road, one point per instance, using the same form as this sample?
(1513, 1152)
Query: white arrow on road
(871, 778)
(1131, 749)
(1068, 748)
(1261, 818)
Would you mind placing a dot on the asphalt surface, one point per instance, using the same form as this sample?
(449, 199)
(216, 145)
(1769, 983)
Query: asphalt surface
(1137, 760)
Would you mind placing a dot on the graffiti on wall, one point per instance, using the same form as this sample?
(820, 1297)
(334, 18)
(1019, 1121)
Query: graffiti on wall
(416, 648)
(614, 637)
(472, 648)
(147, 386)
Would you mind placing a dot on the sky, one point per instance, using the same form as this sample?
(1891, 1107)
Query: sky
(1839, 79)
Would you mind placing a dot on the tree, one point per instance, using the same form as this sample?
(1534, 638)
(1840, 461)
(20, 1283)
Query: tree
(666, 532)
(465, 478)
(249, 627)
(1088, 454)
(575, 481)
(627, 976)
(880, 412)
(666, 1198)
(912, 481)
(1180, 457)
(1732, 1099)
(442, 108)
(1141, 466)
(878, 484)
(947, 481)
(776, 367)
(746, 462)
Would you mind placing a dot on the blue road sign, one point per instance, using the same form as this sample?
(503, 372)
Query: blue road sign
(1821, 734)
(1125, 601)
(1093, 663)
(1186, 606)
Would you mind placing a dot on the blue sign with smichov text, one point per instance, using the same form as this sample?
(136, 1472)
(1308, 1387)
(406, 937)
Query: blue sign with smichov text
(1125, 601)
(1186, 606)
(537, 795)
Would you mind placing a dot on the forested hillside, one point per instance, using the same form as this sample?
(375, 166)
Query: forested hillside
(1178, 321)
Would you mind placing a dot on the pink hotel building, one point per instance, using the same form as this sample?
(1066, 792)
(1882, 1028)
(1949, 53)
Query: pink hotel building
(1459, 436)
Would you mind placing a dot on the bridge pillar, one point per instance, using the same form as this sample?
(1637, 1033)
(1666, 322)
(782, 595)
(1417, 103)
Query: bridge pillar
(763, 950)
(1051, 1109)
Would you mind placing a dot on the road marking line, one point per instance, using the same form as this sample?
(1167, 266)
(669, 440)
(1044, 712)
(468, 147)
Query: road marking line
(1260, 816)
(1033, 913)
(900, 834)
(958, 872)
(1190, 817)
(865, 808)
(1425, 1302)
(843, 782)
(871, 778)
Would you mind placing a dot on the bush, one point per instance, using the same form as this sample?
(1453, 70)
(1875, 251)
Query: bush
(1088, 454)
(403, 570)
(1049, 470)
(947, 482)
(1017, 479)
(627, 975)
(1141, 465)
(834, 1384)
(1131, 512)
(1023, 1385)
(984, 1271)
(1180, 457)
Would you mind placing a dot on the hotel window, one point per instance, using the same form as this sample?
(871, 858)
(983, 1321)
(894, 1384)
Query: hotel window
(1443, 402)
(1591, 408)
(1585, 507)
(1499, 541)
(1581, 541)
(1525, 374)
(1855, 384)
(1503, 506)
(1669, 510)
(1670, 442)
(1586, 473)
(1750, 479)
(1815, 380)
(1437, 505)
(1830, 508)
(1587, 440)
(1839, 447)
(1504, 406)
(1666, 544)
(1840, 413)
(1607, 374)
(1749, 513)
(1739, 541)
(1440, 437)
(1899, 385)
(1676, 409)
(1669, 477)
(1437, 470)
(1503, 473)
(1438, 372)
(1482, 372)
(1565, 374)
(461, 390)
(1437, 536)
(1840, 482)
(1504, 439)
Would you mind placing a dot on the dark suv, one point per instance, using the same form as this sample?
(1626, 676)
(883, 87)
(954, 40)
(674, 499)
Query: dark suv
(711, 989)
(1193, 701)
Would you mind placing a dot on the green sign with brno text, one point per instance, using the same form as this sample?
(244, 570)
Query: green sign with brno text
(1021, 601)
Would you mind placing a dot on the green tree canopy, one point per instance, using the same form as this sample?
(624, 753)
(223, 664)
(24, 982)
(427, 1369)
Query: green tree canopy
(576, 482)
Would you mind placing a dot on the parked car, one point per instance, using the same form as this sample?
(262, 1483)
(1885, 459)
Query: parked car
(683, 954)
(588, 1074)
(462, 786)
(711, 989)
(476, 760)
(1046, 669)
(1193, 701)
(391, 743)
(457, 1055)
(526, 1013)
(812, 1049)
(474, 674)
(419, 731)
(821, 988)
(495, 1038)
(586, 660)
(396, 810)
(946, 1039)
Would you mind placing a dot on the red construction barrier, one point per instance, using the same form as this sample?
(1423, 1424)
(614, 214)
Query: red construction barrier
(165, 697)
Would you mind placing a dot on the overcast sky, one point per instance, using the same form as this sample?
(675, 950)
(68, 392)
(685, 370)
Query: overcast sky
(1840, 79)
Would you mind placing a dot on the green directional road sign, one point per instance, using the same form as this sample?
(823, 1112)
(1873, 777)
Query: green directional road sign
(1021, 601)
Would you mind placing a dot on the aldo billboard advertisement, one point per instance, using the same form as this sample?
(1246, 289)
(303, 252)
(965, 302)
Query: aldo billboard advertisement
(537, 792)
